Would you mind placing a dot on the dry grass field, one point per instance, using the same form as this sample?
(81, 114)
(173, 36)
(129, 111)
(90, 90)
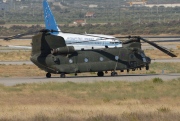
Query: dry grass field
(97, 101)
(20, 71)
(156, 54)
(16, 42)
(20, 55)
(178, 46)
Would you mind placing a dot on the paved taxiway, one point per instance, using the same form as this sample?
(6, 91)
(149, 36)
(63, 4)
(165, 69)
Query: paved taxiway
(83, 79)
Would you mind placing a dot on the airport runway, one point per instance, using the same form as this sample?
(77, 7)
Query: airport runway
(87, 79)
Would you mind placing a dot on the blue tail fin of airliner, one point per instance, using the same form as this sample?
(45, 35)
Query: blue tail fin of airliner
(49, 19)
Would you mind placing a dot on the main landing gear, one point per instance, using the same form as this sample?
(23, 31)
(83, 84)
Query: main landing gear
(100, 73)
(63, 75)
(114, 73)
(48, 75)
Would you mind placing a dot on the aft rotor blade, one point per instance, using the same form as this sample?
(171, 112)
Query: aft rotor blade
(160, 36)
(19, 35)
(51, 31)
(29, 33)
(163, 49)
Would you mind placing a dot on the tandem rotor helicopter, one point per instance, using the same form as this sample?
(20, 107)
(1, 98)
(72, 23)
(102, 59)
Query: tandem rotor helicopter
(52, 53)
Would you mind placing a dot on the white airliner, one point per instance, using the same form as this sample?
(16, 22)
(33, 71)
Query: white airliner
(86, 41)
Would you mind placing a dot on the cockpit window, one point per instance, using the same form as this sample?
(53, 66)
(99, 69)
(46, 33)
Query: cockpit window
(142, 54)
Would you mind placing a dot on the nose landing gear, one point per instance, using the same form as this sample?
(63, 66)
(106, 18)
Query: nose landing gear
(147, 67)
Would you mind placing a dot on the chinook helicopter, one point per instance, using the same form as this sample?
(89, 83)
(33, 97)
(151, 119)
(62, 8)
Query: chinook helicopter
(62, 59)
(51, 54)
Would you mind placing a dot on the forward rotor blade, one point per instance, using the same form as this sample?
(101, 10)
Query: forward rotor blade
(163, 49)
(160, 36)
(178, 40)
(148, 36)
(126, 37)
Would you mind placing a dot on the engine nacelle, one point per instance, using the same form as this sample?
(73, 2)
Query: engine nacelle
(63, 50)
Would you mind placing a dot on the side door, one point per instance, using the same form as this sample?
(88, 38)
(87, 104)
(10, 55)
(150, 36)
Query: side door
(132, 60)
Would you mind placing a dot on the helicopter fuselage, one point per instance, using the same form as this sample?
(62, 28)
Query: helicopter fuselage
(94, 60)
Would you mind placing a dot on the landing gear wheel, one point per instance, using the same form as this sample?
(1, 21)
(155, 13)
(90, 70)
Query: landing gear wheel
(63, 75)
(100, 73)
(114, 73)
(48, 75)
(147, 67)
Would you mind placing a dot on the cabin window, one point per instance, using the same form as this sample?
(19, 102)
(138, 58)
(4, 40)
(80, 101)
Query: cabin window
(86, 60)
(116, 57)
(70, 61)
(101, 58)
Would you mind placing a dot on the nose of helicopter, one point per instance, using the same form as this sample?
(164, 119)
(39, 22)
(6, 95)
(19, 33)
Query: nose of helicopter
(148, 60)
